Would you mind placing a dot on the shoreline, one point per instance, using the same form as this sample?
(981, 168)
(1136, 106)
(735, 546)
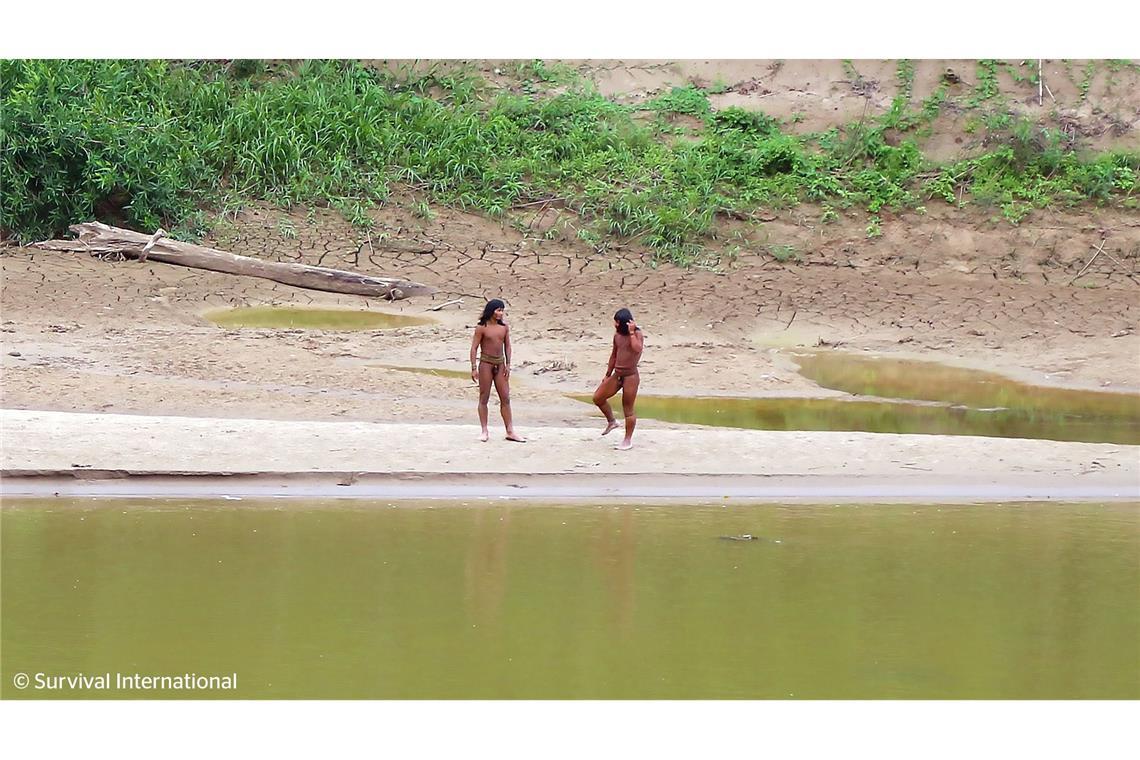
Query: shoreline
(550, 490)
(78, 454)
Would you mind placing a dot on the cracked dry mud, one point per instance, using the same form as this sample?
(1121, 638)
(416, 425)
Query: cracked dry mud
(946, 286)
(952, 285)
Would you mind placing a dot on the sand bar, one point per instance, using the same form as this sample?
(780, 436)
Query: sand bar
(108, 454)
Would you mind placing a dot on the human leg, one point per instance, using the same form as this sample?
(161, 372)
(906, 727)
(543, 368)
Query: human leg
(628, 399)
(502, 385)
(605, 391)
(486, 375)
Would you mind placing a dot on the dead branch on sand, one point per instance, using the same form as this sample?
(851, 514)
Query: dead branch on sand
(558, 365)
(452, 302)
(101, 240)
(1099, 251)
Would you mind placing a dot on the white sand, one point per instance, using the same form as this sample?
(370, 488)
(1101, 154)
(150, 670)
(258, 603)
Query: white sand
(81, 451)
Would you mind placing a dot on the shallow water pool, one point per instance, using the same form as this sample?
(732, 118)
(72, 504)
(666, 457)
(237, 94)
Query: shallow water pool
(904, 396)
(311, 319)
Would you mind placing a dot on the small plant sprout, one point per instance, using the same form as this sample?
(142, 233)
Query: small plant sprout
(286, 228)
(783, 253)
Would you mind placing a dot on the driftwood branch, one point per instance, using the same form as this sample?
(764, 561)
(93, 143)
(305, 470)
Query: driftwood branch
(159, 233)
(452, 302)
(99, 239)
(1099, 251)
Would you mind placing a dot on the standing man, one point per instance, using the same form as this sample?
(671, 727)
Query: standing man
(492, 340)
(621, 374)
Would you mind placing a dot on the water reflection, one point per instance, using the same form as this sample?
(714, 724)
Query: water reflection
(612, 545)
(615, 557)
(406, 601)
(485, 573)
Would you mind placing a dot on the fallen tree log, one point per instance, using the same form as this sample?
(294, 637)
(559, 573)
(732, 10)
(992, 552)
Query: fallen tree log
(102, 240)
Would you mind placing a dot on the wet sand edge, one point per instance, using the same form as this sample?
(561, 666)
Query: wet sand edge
(560, 487)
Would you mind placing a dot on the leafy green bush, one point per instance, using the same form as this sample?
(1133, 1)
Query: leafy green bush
(687, 100)
(150, 143)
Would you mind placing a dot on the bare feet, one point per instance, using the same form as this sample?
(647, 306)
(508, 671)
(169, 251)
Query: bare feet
(625, 445)
(484, 436)
(516, 438)
(613, 425)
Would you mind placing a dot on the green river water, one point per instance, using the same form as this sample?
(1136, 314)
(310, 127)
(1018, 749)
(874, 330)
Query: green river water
(505, 600)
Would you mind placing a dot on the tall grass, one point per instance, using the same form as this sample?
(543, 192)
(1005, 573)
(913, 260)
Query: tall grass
(152, 143)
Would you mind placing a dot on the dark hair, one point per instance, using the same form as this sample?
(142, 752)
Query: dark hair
(623, 317)
(488, 311)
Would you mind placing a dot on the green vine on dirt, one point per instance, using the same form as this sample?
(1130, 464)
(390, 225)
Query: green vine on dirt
(156, 143)
(932, 105)
(987, 87)
(689, 100)
(899, 116)
(905, 75)
(1086, 83)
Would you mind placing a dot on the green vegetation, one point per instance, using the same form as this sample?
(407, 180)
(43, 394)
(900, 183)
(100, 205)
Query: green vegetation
(874, 227)
(783, 252)
(932, 106)
(177, 144)
(1090, 72)
(287, 229)
(987, 87)
(686, 100)
(905, 74)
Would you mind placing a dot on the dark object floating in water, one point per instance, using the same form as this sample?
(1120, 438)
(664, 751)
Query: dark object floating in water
(749, 537)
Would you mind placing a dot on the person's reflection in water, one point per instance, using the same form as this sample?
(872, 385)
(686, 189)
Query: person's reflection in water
(616, 552)
(485, 573)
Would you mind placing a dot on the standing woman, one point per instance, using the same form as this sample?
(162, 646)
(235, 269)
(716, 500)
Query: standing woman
(493, 341)
(621, 374)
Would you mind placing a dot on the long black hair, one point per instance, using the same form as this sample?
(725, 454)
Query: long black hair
(623, 317)
(489, 310)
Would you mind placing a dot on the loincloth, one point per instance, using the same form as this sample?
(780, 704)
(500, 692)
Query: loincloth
(496, 362)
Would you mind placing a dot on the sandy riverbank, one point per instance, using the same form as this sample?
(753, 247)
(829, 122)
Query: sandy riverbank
(103, 454)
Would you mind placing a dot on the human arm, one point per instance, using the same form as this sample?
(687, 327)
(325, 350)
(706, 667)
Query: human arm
(475, 347)
(636, 337)
(613, 359)
(507, 352)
